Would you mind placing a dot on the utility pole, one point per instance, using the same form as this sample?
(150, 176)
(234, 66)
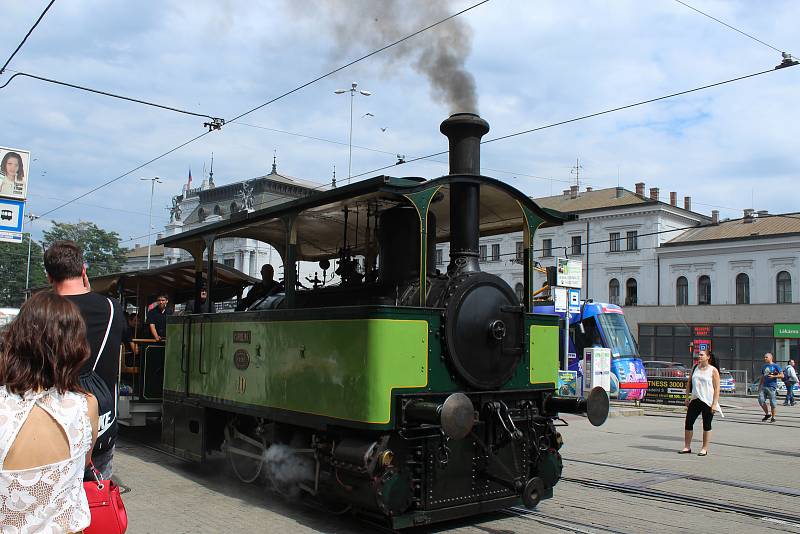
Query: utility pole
(31, 217)
(153, 181)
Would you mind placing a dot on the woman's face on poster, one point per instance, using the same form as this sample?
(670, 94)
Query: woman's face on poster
(12, 167)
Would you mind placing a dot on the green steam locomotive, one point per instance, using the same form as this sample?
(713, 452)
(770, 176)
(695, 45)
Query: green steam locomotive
(409, 394)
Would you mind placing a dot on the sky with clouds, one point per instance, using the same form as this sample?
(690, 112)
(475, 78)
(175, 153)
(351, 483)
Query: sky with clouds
(534, 62)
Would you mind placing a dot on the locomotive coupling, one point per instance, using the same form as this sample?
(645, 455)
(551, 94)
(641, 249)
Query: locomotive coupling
(455, 415)
(594, 407)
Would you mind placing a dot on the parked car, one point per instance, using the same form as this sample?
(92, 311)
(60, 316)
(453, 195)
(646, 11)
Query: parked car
(752, 389)
(665, 369)
(727, 384)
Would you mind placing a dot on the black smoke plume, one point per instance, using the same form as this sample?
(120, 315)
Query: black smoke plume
(440, 53)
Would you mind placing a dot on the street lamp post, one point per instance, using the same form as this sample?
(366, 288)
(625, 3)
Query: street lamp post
(353, 90)
(153, 181)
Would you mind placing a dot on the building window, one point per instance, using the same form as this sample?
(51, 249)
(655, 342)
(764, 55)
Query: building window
(520, 252)
(234, 207)
(632, 240)
(742, 289)
(228, 262)
(547, 248)
(439, 256)
(519, 289)
(613, 291)
(631, 297)
(613, 242)
(783, 283)
(482, 250)
(682, 291)
(704, 290)
(576, 245)
(496, 252)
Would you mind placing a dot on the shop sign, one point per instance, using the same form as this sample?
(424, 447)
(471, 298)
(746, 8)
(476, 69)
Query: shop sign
(786, 330)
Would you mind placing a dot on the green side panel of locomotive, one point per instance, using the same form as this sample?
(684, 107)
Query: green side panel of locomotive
(342, 369)
(544, 341)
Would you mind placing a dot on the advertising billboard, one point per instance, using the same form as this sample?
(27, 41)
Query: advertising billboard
(14, 172)
(569, 273)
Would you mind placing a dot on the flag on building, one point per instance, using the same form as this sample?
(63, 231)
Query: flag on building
(189, 184)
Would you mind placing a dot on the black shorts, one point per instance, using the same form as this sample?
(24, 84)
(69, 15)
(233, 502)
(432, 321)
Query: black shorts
(697, 407)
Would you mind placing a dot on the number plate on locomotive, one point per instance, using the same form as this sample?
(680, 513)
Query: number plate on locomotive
(241, 336)
(241, 359)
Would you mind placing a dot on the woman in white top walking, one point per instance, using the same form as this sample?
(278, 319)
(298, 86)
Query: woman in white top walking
(704, 399)
(47, 423)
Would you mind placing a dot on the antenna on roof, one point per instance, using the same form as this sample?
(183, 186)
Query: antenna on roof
(211, 174)
(274, 161)
(333, 182)
(576, 170)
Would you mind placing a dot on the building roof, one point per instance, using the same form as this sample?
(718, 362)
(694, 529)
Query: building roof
(600, 199)
(277, 177)
(754, 227)
(139, 252)
(611, 197)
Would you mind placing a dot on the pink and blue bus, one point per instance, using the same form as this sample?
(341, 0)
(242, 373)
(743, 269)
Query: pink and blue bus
(600, 324)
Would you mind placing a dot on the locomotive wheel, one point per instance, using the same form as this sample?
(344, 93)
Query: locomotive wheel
(245, 453)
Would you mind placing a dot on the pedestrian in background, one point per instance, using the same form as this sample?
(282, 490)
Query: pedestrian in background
(702, 397)
(768, 386)
(790, 379)
(49, 422)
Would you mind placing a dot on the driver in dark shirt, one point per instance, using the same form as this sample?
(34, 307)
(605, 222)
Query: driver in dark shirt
(263, 289)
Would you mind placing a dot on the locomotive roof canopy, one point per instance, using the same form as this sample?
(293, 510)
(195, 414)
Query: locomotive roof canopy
(320, 218)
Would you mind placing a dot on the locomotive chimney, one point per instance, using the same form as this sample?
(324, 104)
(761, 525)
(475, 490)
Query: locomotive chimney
(464, 131)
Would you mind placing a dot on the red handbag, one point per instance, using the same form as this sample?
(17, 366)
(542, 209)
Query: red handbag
(106, 506)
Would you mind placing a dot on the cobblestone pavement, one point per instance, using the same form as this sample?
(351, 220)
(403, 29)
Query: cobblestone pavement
(750, 463)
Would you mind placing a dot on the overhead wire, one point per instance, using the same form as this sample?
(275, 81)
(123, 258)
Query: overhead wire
(583, 117)
(105, 93)
(287, 93)
(35, 24)
(392, 153)
(729, 26)
(121, 176)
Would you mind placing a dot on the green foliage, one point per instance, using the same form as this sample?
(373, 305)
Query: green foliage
(13, 266)
(101, 250)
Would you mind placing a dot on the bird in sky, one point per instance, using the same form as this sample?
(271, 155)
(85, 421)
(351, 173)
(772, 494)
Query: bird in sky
(367, 115)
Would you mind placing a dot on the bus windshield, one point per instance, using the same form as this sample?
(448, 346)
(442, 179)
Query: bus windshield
(617, 334)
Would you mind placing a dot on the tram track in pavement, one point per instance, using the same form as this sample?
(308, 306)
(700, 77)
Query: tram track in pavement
(568, 525)
(790, 492)
(689, 500)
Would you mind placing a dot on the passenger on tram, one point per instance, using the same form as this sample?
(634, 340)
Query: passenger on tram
(205, 304)
(157, 317)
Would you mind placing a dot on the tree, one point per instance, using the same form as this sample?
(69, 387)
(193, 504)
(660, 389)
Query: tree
(13, 267)
(101, 250)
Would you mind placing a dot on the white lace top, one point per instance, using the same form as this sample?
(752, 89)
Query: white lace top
(47, 499)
